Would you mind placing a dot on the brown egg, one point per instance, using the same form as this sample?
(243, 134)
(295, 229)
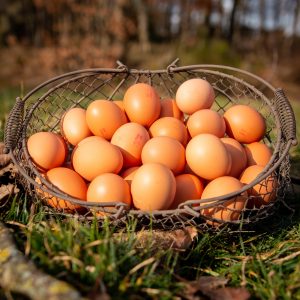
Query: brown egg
(109, 187)
(194, 94)
(96, 156)
(170, 127)
(206, 121)
(258, 154)
(169, 108)
(207, 156)
(229, 210)
(245, 124)
(263, 192)
(166, 151)
(47, 150)
(131, 138)
(70, 183)
(73, 125)
(142, 104)
(188, 187)
(128, 174)
(91, 138)
(153, 187)
(104, 117)
(238, 156)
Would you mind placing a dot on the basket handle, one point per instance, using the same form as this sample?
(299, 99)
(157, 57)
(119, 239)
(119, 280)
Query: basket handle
(286, 116)
(13, 125)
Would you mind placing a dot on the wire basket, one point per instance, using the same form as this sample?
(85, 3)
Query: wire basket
(42, 108)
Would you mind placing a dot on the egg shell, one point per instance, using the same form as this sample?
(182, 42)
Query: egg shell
(188, 187)
(131, 138)
(169, 108)
(170, 127)
(47, 150)
(91, 138)
(73, 125)
(166, 151)
(94, 157)
(70, 183)
(245, 124)
(109, 187)
(206, 121)
(128, 174)
(238, 156)
(229, 210)
(258, 154)
(153, 187)
(207, 156)
(194, 94)
(263, 192)
(104, 117)
(142, 104)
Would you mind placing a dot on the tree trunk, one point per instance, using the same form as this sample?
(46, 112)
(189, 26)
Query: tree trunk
(143, 21)
(231, 29)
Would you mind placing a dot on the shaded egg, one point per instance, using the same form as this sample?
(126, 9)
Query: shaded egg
(230, 210)
(244, 123)
(188, 187)
(258, 154)
(109, 187)
(95, 157)
(69, 182)
(169, 108)
(128, 174)
(47, 150)
(263, 192)
(194, 94)
(142, 104)
(73, 125)
(153, 187)
(170, 127)
(131, 138)
(206, 121)
(104, 117)
(238, 156)
(166, 151)
(207, 156)
(120, 104)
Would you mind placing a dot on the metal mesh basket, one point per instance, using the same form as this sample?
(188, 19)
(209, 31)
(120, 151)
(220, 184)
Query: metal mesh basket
(42, 108)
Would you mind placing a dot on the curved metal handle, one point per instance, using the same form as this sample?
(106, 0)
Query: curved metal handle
(13, 125)
(286, 116)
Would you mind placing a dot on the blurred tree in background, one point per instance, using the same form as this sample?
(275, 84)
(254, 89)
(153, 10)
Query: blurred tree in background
(40, 39)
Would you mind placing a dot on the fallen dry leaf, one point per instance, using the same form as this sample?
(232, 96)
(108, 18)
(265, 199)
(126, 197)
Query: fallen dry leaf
(179, 239)
(229, 293)
(213, 288)
(4, 158)
(8, 171)
(7, 190)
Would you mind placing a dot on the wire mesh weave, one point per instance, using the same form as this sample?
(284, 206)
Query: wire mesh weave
(43, 108)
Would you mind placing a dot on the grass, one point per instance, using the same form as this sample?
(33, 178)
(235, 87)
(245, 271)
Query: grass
(89, 256)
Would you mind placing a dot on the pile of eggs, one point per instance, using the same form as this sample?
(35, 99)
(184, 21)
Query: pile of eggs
(155, 154)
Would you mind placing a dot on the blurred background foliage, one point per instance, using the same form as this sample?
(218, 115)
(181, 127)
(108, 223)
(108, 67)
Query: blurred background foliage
(40, 39)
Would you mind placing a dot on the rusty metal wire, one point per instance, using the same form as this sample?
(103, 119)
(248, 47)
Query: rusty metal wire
(45, 105)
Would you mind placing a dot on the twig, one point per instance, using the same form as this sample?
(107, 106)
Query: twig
(19, 275)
